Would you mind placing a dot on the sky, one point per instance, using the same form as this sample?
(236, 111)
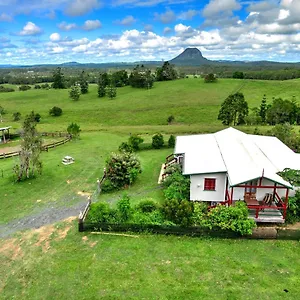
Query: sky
(98, 31)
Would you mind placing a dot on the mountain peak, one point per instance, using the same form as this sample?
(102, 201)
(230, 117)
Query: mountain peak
(190, 56)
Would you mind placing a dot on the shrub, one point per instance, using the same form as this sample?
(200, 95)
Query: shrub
(126, 147)
(293, 211)
(147, 206)
(74, 93)
(99, 213)
(122, 169)
(37, 117)
(55, 111)
(152, 218)
(177, 186)
(124, 208)
(37, 87)
(24, 88)
(179, 212)
(171, 141)
(45, 86)
(135, 141)
(233, 218)
(157, 141)
(74, 130)
(5, 89)
(210, 78)
(107, 186)
(199, 214)
(16, 116)
(170, 119)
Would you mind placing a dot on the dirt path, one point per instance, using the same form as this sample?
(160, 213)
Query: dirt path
(9, 149)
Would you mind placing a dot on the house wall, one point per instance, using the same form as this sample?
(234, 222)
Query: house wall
(197, 192)
(238, 193)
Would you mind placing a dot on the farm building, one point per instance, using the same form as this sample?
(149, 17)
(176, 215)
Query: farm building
(230, 165)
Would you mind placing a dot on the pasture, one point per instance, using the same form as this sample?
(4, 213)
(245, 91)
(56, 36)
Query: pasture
(58, 262)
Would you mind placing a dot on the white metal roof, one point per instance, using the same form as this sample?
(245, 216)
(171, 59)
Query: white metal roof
(242, 156)
(5, 128)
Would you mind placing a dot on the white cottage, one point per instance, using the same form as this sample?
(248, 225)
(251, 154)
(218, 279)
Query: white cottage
(230, 165)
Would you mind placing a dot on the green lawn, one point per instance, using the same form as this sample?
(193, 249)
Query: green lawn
(46, 264)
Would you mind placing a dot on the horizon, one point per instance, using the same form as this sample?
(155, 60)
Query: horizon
(128, 31)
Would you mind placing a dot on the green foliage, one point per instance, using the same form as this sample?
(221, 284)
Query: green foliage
(157, 141)
(293, 211)
(126, 147)
(124, 208)
(291, 175)
(233, 218)
(102, 83)
(74, 130)
(179, 212)
(170, 119)
(37, 117)
(200, 213)
(55, 111)
(24, 88)
(238, 75)
(99, 213)
(122, 169)
(147, 206)
(171, 141)
(120, 78)
(209, 78)
(141, 77)
(263, 109)
(177, 186)
(74, 93)
(58, 79)
(135, 141)
(83, 82)
(107, 186)
(166, 72)
(45, 86)
(233, 110)
(5, 89)
(111, 92)
(17, 116)
(37, 87)
(150, 218)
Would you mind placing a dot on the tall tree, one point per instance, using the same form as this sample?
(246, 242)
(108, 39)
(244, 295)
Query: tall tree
(141, 77)
(233, 110)
(263, 109)
(58, 79)
(166, 72)
(31, 146)
(75, 92)
(102, 83)
(84, 85)
(111, 91)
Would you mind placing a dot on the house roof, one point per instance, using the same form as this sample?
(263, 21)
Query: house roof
(242, 156)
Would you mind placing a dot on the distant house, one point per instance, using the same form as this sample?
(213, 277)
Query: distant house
(230, 165)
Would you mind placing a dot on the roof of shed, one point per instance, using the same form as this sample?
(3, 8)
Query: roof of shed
(244, 157)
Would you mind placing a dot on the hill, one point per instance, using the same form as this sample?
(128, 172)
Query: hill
(190, 57)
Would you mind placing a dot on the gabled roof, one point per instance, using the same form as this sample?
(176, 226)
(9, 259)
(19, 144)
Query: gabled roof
(244, 157)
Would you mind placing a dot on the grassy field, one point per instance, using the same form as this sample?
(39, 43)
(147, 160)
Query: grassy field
(58, 262)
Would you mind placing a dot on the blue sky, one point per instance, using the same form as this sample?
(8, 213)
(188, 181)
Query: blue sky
(56, 31)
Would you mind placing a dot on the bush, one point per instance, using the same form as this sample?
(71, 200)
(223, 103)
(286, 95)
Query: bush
(124, 208)
(99, 213)
(126, 147)
(37, 87)
(233, 218)
(147, 206)
(158, 141)
(5, 89)
(24, 88)
(199, 214)
(135, 141)
(179, 212)
(45, 86)
(152, 218)
(177, 186)
(170, 119)
(37, 117)
(55, 111)
(293, 211)
(74, 130)
(107, 186)
(171, 141)
(122, 169)
(210, 78)
(16, 116)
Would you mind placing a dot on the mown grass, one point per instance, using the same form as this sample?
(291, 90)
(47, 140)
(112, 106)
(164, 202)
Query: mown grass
(47, 264)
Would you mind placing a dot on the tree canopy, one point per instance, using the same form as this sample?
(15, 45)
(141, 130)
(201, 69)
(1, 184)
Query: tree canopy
(58, 79)
(166, 72)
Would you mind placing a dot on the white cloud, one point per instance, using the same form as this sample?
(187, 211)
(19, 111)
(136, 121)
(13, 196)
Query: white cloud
(165, 18)
(5, 18)
(30, 29)
(127, 21)
(188, 15)
(55, 37)
(66, 27)
(81, 7)
(91, 25)
(215, 7)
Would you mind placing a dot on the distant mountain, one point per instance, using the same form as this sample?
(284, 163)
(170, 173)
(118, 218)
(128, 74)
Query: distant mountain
(190, 57)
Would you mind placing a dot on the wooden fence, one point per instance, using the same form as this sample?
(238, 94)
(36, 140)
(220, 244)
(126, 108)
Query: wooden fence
(44, 147)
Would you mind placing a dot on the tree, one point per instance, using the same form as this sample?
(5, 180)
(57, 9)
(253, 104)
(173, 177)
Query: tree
(74, 130)
(55, 111)
(120, 78)
(171, 141)
(74, 93)
(111, 92)
(263, 109)
(134, 141)
(238, 75)
(141, 77)
(210, 78)
(84, 85)
(157, 141)
(166, 72)
(170, 119)
(31, 147)
(37, 117)
(16, 116)
(58, 79)
(102, 82)
(233, 110)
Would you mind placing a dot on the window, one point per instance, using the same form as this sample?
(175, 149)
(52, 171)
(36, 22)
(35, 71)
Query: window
(209, 184)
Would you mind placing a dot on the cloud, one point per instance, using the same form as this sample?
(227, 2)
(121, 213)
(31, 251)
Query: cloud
(5, 18)
(91, 25)
(167, 30)
(30, 29)
(188, 15)
(148, 27)
(55, 37)
(148, 3)
(66, 27)
(81, 7)
(261, 6)
(165, 18)
(51, 15)
(127, 21)
(216, 7)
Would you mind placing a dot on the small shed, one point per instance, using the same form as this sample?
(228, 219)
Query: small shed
(67, 160)
(5, 134)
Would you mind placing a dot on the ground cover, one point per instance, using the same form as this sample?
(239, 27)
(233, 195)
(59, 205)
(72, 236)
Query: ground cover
(58, 262)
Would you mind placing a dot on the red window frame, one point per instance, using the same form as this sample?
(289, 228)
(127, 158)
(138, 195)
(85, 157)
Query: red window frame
(209, 184)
